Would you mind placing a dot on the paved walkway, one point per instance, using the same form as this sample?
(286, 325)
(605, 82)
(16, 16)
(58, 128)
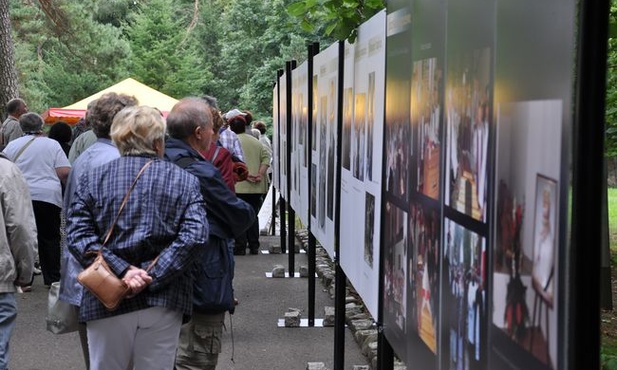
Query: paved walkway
(259, 343)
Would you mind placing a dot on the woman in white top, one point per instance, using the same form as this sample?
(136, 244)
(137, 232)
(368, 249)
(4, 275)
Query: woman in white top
(45, 168)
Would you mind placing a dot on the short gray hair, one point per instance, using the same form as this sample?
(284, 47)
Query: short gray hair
(31, 122)
(188, 114)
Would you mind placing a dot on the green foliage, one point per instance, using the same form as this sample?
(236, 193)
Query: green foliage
(245, 42)
(114, 12)
(164, 57)
(338, 18)
(58, 68)
(612, 216)
(230, 49)
(608, 360)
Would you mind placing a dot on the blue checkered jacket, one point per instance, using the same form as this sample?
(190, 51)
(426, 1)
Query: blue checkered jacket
(165, 215)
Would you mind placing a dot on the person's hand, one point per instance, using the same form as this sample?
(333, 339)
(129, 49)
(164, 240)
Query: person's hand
(137, 279)
(254, 178)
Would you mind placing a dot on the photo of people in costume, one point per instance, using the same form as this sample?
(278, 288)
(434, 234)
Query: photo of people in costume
(468, 107)
(426, 115)
(464, 263)
(527, 213)
(424, 226)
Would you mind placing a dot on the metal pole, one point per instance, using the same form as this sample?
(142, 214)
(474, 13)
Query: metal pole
(273, 222)
(312, 244)
(340, 287)
(583, 328)
(291, 236)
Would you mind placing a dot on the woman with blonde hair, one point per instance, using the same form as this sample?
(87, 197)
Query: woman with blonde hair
(163, 220)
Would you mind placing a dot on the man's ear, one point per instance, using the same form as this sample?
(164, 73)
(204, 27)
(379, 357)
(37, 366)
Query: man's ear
(197, 132)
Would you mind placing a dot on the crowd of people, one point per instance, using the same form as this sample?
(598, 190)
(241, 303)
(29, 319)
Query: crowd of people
(169, 201)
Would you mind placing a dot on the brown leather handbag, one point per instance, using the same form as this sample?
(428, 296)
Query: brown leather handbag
(98, 278)
(103, 283)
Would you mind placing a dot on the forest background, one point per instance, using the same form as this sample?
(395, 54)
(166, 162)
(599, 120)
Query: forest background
(66, 50)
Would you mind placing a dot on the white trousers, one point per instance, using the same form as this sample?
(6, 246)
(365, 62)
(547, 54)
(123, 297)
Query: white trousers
(149, 337)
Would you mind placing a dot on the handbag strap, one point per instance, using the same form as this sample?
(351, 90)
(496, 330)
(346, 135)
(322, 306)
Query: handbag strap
(124, 201)
(23, 148)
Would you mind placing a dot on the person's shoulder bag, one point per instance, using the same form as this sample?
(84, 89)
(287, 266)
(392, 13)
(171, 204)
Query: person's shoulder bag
(98, 278)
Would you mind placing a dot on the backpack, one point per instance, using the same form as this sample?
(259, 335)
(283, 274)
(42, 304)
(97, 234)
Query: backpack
(213, 274)
(213, 290)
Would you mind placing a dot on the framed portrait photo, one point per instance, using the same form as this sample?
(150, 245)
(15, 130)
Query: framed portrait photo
(545, 237)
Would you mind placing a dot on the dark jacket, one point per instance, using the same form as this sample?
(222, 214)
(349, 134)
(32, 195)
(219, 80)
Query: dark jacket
(228, 215)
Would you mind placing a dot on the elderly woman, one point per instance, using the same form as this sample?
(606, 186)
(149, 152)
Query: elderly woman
(164, 217)
(45, 168)
(100, 116)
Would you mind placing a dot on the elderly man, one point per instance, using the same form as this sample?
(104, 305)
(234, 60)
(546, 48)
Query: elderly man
(10, 129)
(17, 245)
(189, 125)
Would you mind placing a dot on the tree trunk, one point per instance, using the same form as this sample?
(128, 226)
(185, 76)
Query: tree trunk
(8, 74)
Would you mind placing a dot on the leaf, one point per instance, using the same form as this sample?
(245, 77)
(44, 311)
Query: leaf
(307, 26)
(375, 4)
(297, 9)
(330, 29)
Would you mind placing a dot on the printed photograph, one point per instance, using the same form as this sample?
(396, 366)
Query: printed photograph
(464, 295)
(398, 140)
(370, 122)
(369, 229)
(348, 112)
(426, 114)
(358, 137)
(395, 267)
(528, 160)
(468, 115)
(331, 170)
(314, 190)
(424, 232)
(322, 170)
(315, 102)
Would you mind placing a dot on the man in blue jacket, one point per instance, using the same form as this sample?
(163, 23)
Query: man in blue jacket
(189, 125)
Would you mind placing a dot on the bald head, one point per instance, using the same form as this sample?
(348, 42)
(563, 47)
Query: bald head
(186, 116)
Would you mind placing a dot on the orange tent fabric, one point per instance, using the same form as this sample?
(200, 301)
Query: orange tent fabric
(70, 116)
(144, 94)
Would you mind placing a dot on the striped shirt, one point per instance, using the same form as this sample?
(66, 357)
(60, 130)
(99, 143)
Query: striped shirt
(229, 140)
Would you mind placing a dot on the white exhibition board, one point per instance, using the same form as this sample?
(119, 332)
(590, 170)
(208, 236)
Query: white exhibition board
(283, 136)
(299, 142)
(362, 141)
(323, 160)
(275, 137)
